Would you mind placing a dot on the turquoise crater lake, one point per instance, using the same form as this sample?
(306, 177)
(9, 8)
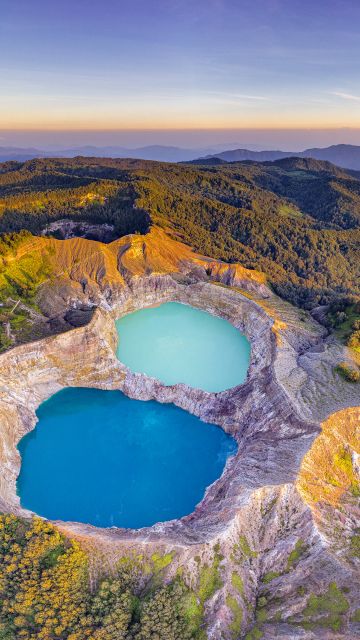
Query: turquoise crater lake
(101, 458)
(178, 343)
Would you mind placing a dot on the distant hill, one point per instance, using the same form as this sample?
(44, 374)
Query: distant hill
(342, 155)
(161, 153)
(20, 154)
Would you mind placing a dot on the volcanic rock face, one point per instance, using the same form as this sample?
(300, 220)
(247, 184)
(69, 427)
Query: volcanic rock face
(64, 229)
(279, 527)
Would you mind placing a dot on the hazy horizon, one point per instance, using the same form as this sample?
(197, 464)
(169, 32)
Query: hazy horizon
(259, 139)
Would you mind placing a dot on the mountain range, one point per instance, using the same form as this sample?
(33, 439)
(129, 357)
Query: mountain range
(342, 155)
(160, 153)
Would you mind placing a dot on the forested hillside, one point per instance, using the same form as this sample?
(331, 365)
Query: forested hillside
(45, 592)
(295, 219)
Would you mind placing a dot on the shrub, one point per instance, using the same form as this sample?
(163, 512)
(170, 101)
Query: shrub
(347, 372)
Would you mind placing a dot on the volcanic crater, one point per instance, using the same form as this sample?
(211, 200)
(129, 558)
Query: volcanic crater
(270, 500)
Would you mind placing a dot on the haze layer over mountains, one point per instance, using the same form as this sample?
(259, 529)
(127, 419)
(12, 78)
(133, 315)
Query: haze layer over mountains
(342, 155)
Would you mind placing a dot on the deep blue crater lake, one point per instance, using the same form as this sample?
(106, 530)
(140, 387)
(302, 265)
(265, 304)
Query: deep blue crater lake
(178, 343)
(101, 458)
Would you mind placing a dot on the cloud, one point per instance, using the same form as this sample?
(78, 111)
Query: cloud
(346, 96)
(239, 96)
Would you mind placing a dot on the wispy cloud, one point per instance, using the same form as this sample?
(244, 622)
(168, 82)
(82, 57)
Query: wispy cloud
(240, 96)
(346, 96)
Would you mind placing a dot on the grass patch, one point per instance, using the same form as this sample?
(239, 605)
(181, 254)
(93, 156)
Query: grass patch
(254, 634)
(355, 546)
(161, 562)
(236, 609)
(269, 576)
(356, 616)
(348, 373)
(328, 609)
(345, 327)
(289, 211)
(294, 556)
(237, 583)
(242, 550)
(193, 613)
(343, 461)
(210, 580)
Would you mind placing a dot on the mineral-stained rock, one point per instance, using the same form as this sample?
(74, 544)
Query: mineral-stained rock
(279, 529)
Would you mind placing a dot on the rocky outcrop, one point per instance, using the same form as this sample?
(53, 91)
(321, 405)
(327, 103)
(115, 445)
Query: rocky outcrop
(266, 525)
(66, 228)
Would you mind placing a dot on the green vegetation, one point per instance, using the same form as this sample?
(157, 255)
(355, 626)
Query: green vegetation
(237, 583)
(355, 546)
(19, 282)
(356, 616)
(161, 562)
(254, 634)
(236, 609)
(45, 592)
(242, 551)
(193, 613)
(296, 221)
(295, 555)
(349, 373)
(210, 579)
(344, 317)
(268, 577)
(326, 610)
(246, 549)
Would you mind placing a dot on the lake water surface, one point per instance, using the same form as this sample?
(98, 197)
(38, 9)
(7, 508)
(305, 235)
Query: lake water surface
(101, 458)
(178, 343)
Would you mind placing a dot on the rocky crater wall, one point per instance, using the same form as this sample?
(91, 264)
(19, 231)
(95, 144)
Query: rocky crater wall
(272, 436)
(271, 531)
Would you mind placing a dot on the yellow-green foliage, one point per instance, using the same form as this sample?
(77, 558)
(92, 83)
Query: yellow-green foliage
(245, 548)
(193, 612)
(327, 609)
(295, 554)
(356, 616)
(45, 593)
(269, 576)
(350, 374)
(237, 583)
(242, 551)
(343, 462)
(337, 483)
(355, 546)
(161, 562)
(236, 609)
(210, 579)
(163, 616)
(21, 275)
(43, 581)
(346, 321)
(254, 634)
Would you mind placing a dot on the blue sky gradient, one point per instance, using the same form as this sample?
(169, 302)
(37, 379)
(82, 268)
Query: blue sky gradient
(136, 64)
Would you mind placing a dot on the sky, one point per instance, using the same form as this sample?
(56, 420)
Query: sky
(195, 66)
